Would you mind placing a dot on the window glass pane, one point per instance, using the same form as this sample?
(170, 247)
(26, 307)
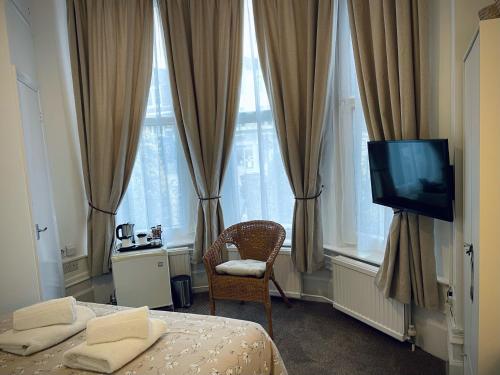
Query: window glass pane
(160, 189)
(350, 219)
(255, 185)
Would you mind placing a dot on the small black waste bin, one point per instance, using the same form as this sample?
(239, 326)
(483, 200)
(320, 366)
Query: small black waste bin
(181, 291)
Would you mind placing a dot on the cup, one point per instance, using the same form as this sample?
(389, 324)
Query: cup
(127, 242)
(142, 239)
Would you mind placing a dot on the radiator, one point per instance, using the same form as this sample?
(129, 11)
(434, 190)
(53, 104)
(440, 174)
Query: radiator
(355, 293)
(289, 279)
(179, 261)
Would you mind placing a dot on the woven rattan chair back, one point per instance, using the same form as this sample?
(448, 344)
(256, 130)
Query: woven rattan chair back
(255, 239)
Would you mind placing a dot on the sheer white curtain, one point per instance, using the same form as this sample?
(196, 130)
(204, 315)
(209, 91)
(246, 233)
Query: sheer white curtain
(255, 185)
(160, 189)
(350, 218)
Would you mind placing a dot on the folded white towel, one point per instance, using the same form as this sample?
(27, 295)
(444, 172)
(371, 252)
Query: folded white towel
(243, 267)
(121, 325)
(110, 356)
(55, 311)
(33, 340)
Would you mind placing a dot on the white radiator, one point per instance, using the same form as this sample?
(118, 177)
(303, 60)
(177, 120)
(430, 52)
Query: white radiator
(179, 260)
(284, 271)
(355, 293)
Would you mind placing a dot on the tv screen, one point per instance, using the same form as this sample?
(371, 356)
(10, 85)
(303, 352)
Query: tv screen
(414, 176)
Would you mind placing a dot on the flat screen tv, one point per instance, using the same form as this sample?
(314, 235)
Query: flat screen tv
(413, 176)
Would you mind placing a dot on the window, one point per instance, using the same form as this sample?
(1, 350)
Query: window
(160, 189)
(350, 218)
(255, 185)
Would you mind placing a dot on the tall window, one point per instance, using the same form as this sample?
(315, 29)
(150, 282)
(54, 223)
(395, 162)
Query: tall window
(350, 218)
(160, 189)
(255, 185)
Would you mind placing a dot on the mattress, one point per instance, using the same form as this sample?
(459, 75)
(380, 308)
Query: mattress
(193, 344)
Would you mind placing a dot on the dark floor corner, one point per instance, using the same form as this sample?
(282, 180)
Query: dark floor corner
(313, 338)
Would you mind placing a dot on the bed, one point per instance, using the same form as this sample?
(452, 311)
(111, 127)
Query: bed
(193, 344)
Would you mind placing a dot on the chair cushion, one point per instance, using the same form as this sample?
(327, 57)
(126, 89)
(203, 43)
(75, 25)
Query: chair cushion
(244, 267)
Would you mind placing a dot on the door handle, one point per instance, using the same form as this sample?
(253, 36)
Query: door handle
(39, 230)
(469, 250)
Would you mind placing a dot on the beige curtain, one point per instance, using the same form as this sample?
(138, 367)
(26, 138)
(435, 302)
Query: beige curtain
(295, 39)
(390, 49)
(111, 47)
(204, 51)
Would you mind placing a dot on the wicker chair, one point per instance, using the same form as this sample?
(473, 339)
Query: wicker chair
(258, 240)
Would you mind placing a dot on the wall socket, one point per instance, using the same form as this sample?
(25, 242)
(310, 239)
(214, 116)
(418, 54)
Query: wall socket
(70, 267)
(70, 250)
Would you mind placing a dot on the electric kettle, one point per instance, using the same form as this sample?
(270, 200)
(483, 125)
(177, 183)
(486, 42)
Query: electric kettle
(125, 231)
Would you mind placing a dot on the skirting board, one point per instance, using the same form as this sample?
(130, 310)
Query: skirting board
(455, 347)
(200, 289)
(315, 298)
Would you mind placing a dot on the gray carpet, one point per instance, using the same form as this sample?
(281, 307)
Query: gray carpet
(313, 338)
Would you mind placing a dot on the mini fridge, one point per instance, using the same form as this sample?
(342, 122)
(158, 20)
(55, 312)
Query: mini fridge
(142, 278)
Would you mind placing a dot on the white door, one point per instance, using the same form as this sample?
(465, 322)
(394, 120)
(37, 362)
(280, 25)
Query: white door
(42, 209)
(471, 206)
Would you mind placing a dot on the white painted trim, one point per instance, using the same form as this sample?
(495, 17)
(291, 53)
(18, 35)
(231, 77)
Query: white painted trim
(178, 250)
(455, 347)
(73, 258)
(316, 298)
(200, 289)
(76, 279)
(471, 44)
(294, 295)
(21, 14)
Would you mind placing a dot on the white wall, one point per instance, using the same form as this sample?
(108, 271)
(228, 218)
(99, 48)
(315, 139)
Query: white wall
(18, 269)
(57, 100)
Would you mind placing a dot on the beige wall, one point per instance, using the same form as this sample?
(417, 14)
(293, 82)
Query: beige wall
(58, 107)
(440, 111)
(452, 26)
(489, 200)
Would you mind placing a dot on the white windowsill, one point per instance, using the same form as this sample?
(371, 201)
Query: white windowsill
(374, 257)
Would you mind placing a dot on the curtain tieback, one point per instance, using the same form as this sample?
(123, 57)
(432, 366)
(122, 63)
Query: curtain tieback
(313, 197)
(98, 209)
(209, 198)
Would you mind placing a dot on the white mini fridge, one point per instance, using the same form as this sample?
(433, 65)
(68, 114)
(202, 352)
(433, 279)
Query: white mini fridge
(142, 278)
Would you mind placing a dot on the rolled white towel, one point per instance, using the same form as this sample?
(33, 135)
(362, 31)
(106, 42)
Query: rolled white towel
(30, 341)
(55, 311)
(110, 356)
(121, 325)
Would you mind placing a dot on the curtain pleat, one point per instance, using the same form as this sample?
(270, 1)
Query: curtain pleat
(390, 48)
(295, 40)
(204, 52)
(111, 49)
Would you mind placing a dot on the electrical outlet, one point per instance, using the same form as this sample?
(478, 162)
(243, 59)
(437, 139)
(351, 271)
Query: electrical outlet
(70, 267)
(70, 250)
(450, 297)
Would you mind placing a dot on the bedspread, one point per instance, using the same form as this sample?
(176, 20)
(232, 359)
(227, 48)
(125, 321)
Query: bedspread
(193, 344)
